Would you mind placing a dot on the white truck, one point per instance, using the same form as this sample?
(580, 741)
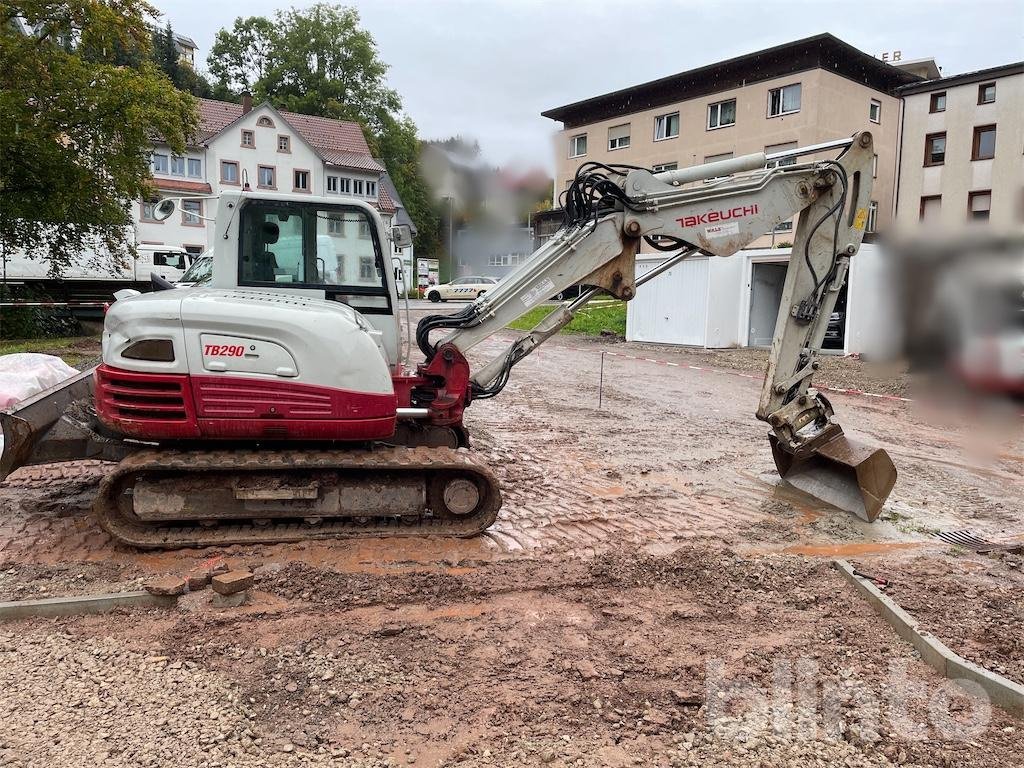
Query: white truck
(91, 280)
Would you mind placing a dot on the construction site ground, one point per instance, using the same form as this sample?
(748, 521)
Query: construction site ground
(647, 589)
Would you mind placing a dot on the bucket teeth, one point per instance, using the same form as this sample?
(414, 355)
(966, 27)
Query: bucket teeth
(842, 472)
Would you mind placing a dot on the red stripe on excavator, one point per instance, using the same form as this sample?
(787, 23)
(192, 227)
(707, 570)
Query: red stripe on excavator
(175, 406)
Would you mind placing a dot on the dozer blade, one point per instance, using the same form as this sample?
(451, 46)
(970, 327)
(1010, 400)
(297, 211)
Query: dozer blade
(26, 425)
(842, 472)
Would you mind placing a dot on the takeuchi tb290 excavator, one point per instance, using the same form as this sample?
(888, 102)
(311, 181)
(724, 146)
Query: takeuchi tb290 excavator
(275, 405)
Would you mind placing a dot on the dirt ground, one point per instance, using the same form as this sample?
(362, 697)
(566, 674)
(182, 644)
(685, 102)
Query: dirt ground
(650, 594)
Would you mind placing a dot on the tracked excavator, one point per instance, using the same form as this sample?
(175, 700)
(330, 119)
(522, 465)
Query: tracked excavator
(274, 404)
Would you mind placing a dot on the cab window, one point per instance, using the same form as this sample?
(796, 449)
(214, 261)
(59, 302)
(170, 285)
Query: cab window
(169, 259)
(304, 245)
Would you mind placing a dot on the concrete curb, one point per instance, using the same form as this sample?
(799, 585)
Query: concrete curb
(1002, 692)
(73, 606)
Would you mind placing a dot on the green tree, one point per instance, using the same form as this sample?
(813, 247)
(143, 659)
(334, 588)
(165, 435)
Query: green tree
(166, 56)
(78, 124)
(318, 61)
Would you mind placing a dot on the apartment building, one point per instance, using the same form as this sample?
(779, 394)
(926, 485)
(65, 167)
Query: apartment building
(962, 152)
(242, 146)
(796, 94)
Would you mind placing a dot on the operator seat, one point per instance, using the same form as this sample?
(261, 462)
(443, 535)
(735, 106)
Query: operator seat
(264, 261)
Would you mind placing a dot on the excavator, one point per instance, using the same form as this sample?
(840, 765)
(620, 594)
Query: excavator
(276, 403)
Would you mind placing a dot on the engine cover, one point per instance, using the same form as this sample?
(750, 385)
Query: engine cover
(236, 364)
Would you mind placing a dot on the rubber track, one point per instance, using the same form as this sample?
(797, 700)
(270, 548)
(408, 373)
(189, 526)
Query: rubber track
(423, 460)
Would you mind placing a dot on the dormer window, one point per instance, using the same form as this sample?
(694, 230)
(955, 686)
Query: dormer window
(248, 139)
(265, 122)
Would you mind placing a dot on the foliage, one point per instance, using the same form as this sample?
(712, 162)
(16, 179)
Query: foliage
(590, 321)
(81, 100)
(318, 61)
(398, 146)
(32, 322)
(165, 55)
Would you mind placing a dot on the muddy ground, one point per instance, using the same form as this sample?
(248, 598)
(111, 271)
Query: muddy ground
(648, 586)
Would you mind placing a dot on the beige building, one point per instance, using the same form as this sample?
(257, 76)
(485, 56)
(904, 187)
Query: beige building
(800, 93)
(962, 152)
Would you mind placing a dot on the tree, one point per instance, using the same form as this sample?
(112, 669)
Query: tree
(78, 124)
(241, 58)
(398, 145)
(318, 61)
(167, 57)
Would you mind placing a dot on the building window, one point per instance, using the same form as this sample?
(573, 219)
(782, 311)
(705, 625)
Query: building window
(266, 177)
(335, 225)
(332, 184)
(784, 101)
(874, 166)
(345, 185)
(979, 205)
(937, 102)
(147, 210)
(986, 93)
(365, 262)
(984, 143)
(248, 139)
(364, 229)
(265, 122)
(935, 149)
(722, 114)
(578, 145)
(505, 259)
(357, 186)
(300, 181)
(931, 205)
(177, 165)
(715, 159)
(666, 126)
(773, 149)
(284, 144)
(228, 172)
(191, 210)
(875, 111)
(661, 167)
(195, 168)
(872, 216)
(618, 137)
(159, 163)
(371, 189)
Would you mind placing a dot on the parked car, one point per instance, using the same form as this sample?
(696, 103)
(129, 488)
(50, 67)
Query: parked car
(464, 288)
(835, 332)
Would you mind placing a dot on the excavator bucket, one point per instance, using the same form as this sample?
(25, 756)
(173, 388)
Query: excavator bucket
(842, 472)
(32, 431)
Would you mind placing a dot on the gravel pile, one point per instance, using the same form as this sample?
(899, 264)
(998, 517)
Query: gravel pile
(73, 701)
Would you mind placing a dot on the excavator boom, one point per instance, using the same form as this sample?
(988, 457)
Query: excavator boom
(616, 209)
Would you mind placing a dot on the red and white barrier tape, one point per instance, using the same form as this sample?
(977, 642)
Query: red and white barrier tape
(55, 303)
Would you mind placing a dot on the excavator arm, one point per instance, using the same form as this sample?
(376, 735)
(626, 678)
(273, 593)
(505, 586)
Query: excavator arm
(713, 209)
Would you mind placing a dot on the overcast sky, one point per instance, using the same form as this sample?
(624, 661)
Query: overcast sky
(487, 68)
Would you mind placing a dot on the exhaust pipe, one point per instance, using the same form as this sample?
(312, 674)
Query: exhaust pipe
(842, 472)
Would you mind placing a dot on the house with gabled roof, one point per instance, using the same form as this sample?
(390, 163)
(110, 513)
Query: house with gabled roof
(262, 148)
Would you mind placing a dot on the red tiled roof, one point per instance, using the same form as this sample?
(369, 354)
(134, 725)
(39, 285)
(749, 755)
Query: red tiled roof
(384, 202)
(339, 142)
(350, 160)
(179, 185)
